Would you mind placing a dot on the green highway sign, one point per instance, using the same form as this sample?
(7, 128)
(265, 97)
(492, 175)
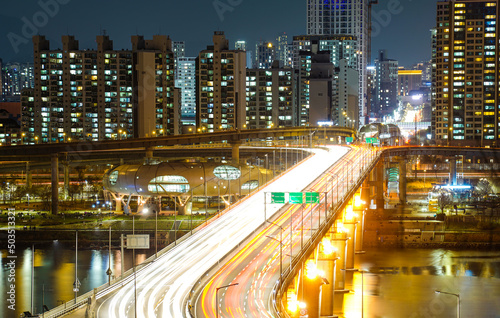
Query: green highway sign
(312, 197)
(349, 139)
(277, 197)
(295, 197)
(372, 140)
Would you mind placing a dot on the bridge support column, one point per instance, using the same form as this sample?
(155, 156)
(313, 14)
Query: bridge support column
(149, 154)
(360, 229)
(379, 185)
(66, 179)
(351, 242)
(453, 171)
(55, 183)
(339, 241)
(402, 180)
(235, 152)
(327, 263)
(29, 176)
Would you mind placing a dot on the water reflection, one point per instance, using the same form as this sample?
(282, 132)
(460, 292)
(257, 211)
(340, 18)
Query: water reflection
(55, 273)
(401, 283)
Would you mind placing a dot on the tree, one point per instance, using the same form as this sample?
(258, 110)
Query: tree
(74, 189)
(445, 199)
(482, 189)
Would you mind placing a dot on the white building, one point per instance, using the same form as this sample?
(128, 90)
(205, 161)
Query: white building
(186, 81)
(329, 17)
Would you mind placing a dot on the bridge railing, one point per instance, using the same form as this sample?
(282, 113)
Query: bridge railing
(334, 210)
(127, 276)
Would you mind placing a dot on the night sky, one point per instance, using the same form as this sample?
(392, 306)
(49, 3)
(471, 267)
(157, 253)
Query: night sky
(405, 35)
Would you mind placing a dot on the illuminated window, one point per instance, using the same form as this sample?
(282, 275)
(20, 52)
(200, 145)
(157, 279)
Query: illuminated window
(227, 172)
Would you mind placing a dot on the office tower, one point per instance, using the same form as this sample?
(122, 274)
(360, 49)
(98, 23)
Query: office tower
(1, 78)
(371, 73)
(242, 45)
(333, 17)
(386, 85)
(157, 100)
(186, 82)
(282, 49)
(408, 80)
(265, 55)
(221, 86)
(467, 81)
(15, 77)
(100, 94)
(270, 97)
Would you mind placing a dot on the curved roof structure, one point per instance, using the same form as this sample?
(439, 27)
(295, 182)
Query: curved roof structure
(182, 177)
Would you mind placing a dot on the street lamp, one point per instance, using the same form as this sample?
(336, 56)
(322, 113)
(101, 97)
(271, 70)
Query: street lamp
(456, 295)
(281, 245)
(146, 211)
(217, 297)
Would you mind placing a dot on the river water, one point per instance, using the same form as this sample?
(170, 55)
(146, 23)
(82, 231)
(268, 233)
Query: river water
(402, 283)
(55, 275)
(397, 282)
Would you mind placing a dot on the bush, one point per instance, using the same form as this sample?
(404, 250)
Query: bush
(487, 226)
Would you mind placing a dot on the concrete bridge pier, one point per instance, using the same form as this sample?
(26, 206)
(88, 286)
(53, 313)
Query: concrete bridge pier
(360, 229)
(339, 241)
(453, 171)
(351, 242)
(55, 183)
(29, 176)
(327, 263)
(235, 152)
(402, 180)
(378, 183)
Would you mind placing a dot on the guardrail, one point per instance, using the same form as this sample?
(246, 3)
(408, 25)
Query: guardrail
(290, 272)
(127, 276)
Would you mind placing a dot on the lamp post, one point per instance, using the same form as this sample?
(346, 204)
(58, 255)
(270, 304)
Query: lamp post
(453, 294)
(217, 297)
(76, 284)
(267, 165)
(281, 245)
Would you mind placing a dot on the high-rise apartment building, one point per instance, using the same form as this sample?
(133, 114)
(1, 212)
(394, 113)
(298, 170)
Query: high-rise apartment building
(386, 85)
(467, 80)
(179, 50)
(157, 101)
(265, 55)
(221, 86)
(100, 94)
(334, 17)
(270, 97)
(339, 46)
(186, 82)
(338, 49)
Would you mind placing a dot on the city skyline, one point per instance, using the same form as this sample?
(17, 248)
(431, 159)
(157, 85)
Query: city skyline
(392, 21)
